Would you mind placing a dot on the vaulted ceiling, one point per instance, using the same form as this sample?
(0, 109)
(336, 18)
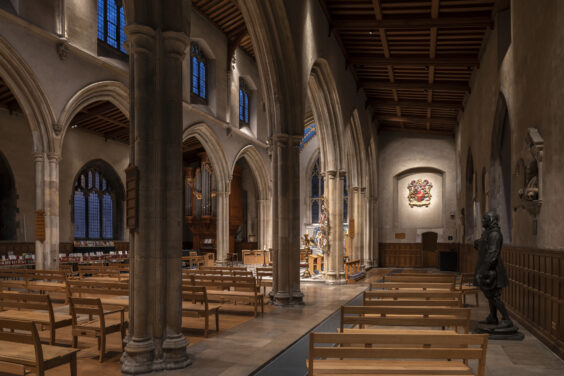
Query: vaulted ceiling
(413, 58)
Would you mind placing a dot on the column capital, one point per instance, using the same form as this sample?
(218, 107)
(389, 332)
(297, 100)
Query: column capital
(53, 157)
(331, 174)
(38, 156)
(140, 39)
(175, 43)
(342, 174)
(355, 189)
(363, 190)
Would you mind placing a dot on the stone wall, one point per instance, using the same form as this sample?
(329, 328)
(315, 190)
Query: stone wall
(405, 158)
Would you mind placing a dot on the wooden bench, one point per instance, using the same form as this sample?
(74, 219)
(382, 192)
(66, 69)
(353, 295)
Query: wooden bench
(25, 307)
(401, 295)
(406, 316)
(103, 272)
(434, 278)
(30, 280)
(466, 287)
(21, 346)
(423, 286)
(352, 271)
(395, 354)
(111, 294)
(98, 328)
(231, 288)
(195, 304)
(264, 277)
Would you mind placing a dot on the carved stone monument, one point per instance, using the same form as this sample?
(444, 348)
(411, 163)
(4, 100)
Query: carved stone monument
(491, 277)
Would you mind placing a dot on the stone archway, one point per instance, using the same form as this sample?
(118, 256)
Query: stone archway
(112, 91)
(8, 201)
(260, 173)
(213, 148)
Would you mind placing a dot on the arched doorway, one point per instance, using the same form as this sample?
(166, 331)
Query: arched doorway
(500, 168)
(8, 204)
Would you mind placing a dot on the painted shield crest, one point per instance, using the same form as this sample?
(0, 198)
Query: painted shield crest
(419, 192)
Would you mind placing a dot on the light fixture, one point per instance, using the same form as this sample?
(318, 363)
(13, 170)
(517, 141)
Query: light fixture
(74, 126)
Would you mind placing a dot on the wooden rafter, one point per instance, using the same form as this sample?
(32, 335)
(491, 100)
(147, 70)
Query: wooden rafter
(374, 60)
(416, 85)
(405, 23)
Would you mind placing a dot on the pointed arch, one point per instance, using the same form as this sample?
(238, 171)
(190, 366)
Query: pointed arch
(355, 152)
(211, 144)
(112, 91)
(258, 168)
(326, 108)
(24, 86)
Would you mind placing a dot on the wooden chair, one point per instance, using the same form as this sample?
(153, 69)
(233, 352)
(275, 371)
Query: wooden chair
(21, 347)
(98, 328)
(466, 287)
(195, 304)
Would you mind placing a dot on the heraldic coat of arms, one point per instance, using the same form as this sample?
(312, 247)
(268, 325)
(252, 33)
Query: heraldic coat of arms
(419, 192)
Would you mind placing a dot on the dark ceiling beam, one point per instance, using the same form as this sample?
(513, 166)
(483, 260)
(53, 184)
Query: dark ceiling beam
(379, 60)
(418, 104)
(416, 130)
(415, 119)
(415, 85)
(410, 23)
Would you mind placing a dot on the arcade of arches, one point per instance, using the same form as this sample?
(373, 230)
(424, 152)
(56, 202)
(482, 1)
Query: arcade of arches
(238, 128)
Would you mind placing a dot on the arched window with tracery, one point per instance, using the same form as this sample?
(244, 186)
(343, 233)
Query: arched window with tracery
(94, 206)
(111, 24)
(243, 102)
(317, 191)
(198, 83)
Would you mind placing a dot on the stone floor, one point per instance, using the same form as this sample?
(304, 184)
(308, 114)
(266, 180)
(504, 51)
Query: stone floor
(245, 344)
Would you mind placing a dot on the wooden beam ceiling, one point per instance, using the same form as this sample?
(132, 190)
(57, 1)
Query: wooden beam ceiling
(7, 99)
(103, 119)
(414, 59)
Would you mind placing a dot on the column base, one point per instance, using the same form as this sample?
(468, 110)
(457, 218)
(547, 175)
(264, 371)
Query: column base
(332, 278)
(285, 299)
(138, 357)
(174, 352)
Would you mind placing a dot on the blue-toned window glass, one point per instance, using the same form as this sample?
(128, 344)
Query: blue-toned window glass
(317, 190)
(79, 215)
(199, 68)
(244, 102)
(93, 206)
(111, 23)
(107, 217)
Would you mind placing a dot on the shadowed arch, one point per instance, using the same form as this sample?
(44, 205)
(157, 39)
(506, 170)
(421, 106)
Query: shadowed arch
(112, 91)
(22, 83)
(355, 152)
(256, 163)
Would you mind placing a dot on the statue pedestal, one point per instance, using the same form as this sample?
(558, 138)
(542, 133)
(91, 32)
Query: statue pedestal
(503, 334)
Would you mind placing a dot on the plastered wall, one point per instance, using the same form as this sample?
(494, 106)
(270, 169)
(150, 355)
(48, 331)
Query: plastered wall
(403, 158)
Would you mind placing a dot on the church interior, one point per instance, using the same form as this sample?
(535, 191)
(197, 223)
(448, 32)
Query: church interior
(281, 187)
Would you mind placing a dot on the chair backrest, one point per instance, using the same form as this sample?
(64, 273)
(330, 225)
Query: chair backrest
(436, 278)
(48, 275)
(411, 295)
(97, 288)
(22, 332)
(466, 279)
(28, 302)
(193, 253)
(86, 306)
(412, 285)
(195, 294)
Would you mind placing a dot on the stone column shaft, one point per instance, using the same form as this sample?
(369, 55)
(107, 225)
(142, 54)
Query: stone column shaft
(39, 159)
(334, 260)
(51, 259)
(355, 211)
(156, 341)
(285, 219)
(222, 238)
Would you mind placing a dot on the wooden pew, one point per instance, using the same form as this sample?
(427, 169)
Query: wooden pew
(231, 288)
(264, 277)
(406, 316)
(423, 286)
(393, 354)
(25, 307)
(21, 346)
(30, 280)
(433, 278)
(352, 271)
(195, 304)
(400, 295)
(103, 272)
(114, 294)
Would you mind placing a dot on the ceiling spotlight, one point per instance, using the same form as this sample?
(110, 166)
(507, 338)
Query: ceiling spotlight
(74, 126)
(371, 33)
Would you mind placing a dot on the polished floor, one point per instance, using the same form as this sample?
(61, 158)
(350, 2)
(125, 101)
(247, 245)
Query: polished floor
(246, 344)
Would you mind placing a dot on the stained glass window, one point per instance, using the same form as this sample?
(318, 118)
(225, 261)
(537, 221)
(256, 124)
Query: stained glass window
(244, 96)
(199, 74)
(93, 206)
(111, 23)
(317, 191)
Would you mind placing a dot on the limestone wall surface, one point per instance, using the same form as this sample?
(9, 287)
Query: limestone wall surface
(532, 83)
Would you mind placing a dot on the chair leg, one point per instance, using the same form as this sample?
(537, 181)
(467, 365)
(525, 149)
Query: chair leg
(477, 300)
(217, 320)
(72, 364)
(52, 340)
(103, 346)
(75, 341)
(207, 319)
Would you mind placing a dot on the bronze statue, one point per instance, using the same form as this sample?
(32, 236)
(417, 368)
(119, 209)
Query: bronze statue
(491, 277)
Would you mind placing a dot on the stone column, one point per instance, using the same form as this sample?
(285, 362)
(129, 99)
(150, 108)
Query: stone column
(285, 219)
(372, 230)
(222, 238)
(156, 53)
(355, 209)
(263, 223)
(365, 259)
(40, 246)
(334, 183)
(51, 255)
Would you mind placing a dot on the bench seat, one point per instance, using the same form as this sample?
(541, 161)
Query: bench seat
(197, 307)
(24, 354)
(384, 366)
(39, 317)
(249, 296)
